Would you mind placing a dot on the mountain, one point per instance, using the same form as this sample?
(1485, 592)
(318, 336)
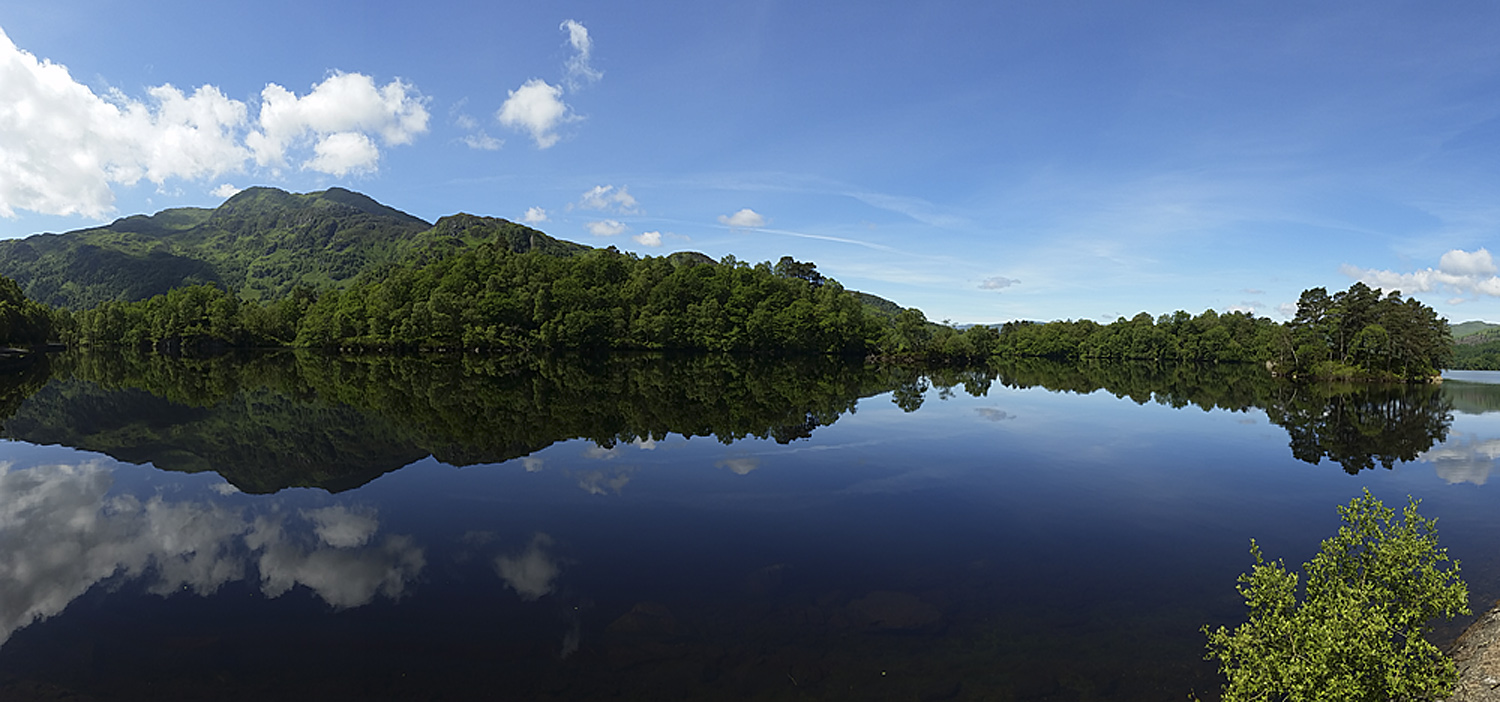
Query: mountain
(261, 243)
(1475, 332)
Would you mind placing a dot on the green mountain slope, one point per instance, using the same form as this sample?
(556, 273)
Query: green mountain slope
(1475, 333)
(261, 243)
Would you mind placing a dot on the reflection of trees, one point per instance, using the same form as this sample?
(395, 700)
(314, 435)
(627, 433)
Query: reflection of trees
(272, 421)
(1356, 426)
(1359, 426)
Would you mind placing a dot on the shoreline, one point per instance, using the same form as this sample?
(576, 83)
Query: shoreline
(1476, 654)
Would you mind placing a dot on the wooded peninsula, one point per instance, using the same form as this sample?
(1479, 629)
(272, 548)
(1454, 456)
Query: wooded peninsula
(337, 270)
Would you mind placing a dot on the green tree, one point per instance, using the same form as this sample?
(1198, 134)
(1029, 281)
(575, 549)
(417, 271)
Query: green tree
(1358, 633)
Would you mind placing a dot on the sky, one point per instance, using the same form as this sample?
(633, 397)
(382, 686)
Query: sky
(982, 161)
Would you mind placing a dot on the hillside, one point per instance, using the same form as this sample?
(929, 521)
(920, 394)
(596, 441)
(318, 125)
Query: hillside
(1475, 332)
(261, 243)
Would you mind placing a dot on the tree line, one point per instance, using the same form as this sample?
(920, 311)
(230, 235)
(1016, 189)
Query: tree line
(490, 297)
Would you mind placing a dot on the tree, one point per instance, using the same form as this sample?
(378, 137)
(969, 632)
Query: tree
(1357, 634)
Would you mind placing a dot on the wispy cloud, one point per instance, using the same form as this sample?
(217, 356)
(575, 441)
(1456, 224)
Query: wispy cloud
(997, 283)
(608, 198)
(607, 227)
(579, 70)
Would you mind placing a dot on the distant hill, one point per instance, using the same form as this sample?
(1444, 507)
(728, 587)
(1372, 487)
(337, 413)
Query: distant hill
(260, 243)
(1475, 332)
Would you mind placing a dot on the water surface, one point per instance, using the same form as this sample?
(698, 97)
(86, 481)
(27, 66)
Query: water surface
(705, 528)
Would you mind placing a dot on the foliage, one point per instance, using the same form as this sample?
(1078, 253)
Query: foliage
(1358, 334)
(23, 321)
(1357, 633)
(1210, 336)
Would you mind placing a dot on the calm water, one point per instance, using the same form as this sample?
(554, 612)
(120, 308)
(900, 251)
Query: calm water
(306, 528)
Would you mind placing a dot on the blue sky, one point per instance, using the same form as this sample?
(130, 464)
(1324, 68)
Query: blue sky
(983, 161)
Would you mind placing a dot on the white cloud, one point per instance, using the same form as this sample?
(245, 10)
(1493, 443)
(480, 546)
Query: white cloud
(607, 198)
(342, 153)
(652, 239)
(65, 146)
(533, 464)
(532, 572)
(536, 107)
(1287, 309)
(744, 219)
(997, 283)
(578, 69)
(608, 227)
(534, 215)
(225, 190)
(1462, 272)
(343, 104)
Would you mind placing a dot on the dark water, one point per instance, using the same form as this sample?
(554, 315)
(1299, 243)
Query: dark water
(310, 528)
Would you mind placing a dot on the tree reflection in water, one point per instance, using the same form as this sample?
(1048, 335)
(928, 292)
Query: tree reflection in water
(270, 421)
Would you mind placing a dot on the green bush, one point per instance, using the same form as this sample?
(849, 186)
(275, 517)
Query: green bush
(1358, 633)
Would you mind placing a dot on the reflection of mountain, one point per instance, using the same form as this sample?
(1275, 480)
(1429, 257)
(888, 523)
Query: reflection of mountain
(63, 534)
(1473, 398)
(1356, 426)
(281, 420)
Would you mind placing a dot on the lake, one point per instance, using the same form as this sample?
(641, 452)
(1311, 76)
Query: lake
(301, 527)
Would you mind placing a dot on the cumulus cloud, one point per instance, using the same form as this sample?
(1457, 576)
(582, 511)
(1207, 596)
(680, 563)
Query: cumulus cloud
(65, 146)
(608, 227)
(608, 199)
(337, 118)
(530, 573)
(652, 239)
(534, 215)
(579, 72)
(1463, 273)
(225, 190)
(744, 219)
(536, 107)
(342, 153)
(997, 283)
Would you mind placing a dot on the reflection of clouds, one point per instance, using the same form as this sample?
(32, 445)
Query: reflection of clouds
(1468, 459)
(532, 464)
(645, 444)
(602, 482)
(599, 453)
(994, 414)
(531, 572)
(342, 577)
(61, 534)
(739, 466)
(342, 527)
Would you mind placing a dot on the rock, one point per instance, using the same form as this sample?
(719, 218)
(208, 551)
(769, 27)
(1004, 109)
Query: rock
(1477, 655)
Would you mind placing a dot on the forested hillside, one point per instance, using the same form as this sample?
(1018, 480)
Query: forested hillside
(260, 243)
(336, 269)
